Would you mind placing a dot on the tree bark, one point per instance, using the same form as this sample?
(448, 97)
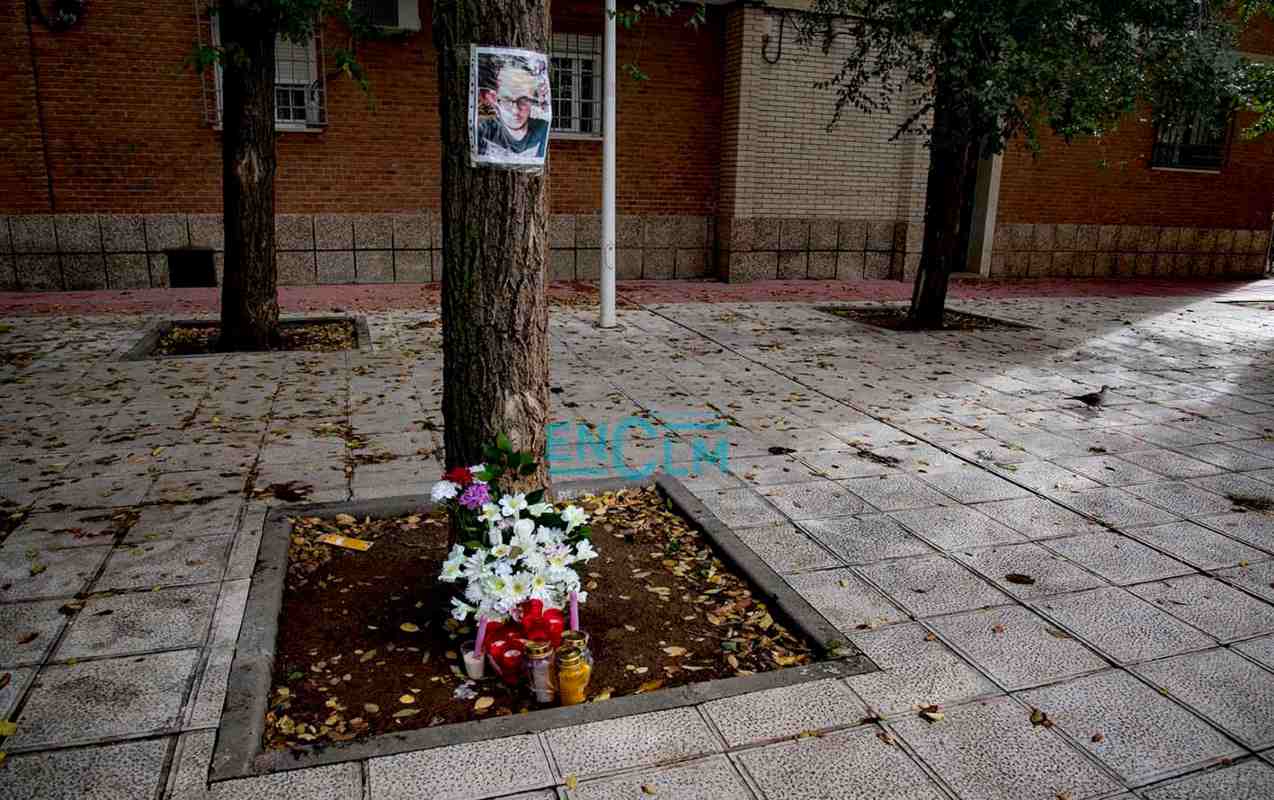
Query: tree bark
(249, 295)
(953, 153)
(495, 249)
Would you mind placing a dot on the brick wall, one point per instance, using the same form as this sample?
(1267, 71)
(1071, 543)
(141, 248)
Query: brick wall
(799, 199)
(1097, 207)
(127, 139)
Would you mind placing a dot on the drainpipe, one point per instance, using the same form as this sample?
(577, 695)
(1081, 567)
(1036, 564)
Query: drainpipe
(608, 173)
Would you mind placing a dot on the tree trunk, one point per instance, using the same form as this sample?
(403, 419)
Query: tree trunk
(495, 248)
(953, 153)
(249, 296)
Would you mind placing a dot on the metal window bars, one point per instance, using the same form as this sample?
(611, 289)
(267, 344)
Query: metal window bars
(1194, 143)
(575, 74)
(300, 91)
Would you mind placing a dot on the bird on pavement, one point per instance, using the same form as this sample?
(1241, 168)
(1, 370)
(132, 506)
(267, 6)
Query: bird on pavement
(1092, 399)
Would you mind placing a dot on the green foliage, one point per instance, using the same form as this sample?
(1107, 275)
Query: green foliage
(1020, 67)
(297, 21)
(628, 18)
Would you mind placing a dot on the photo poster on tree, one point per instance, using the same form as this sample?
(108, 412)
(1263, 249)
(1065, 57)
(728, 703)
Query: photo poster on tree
(510, 108)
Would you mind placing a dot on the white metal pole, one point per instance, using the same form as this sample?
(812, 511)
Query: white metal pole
(608, 173)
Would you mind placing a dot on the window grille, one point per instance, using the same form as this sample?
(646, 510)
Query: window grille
(383, 13)
(1196, 143)
(575, 75)
(300, 95)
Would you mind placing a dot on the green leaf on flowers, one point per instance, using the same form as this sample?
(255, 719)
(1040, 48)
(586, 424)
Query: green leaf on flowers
(473, 544)
(535, 497)
(502, 442)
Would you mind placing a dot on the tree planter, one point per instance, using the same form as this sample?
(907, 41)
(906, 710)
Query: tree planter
(239, 749)
(149, 345)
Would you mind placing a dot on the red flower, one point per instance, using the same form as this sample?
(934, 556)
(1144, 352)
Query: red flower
(460, 475)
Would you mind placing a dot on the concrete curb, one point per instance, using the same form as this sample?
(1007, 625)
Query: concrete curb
(238, 752)
(145, 346)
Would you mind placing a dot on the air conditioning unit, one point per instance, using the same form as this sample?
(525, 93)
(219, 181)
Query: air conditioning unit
(401, 15)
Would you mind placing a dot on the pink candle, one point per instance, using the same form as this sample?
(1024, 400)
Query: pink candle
(482, 634)
(574, 611)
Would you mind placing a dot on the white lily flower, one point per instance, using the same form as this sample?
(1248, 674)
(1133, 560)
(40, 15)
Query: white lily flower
(584, 551)
(523, 527)
(444, 490)
(461, 610)
(451, 572)
(494, 537)
(500, 550)
(512, 504)
(574, 517)
(490, 513)
(539, 509)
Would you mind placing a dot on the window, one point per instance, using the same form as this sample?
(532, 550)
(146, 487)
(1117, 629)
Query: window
(299, 87)
(1196, 143)
(575, 75)
(383, 13)
(403, 15)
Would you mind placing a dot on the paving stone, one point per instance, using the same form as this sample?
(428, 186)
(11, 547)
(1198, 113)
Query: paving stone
(1122, 626)
(1170, 464)
(862, 540)
(1198, 546)
(1181, 498)
(626, 742)
(171, 562)
(1048, 478)
(1037, 518)
(1118, 508)
(129, 769)
(1228, 458)
(1260, 650)
(972, 485)
(742, 508)
(188, 521)
(895, 492)
(953, 527)
(915, 669)
(1109, 470)
(1118, 558)
(853, 765)
(1232, 483)
(112, 491)
(190, 778)
(113, 697)
(1144, 735)
(140, 622)
(482, 769)
(15, 686)
(705, 779)
(840, 464)
(1252, 528)
(211, 694)
(932, 585)
(845, 599)
(989, 750)
(1050, 573)
(64, 572)
(1256, 578)
(1227, 689)
(773, 470)
(784, 712)
(1249, 780)
(58, 530)
(815, 500)
(1210, 605)
(18, 621)
(787, 549)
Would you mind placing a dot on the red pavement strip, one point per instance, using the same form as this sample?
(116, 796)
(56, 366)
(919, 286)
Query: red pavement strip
(398, 296)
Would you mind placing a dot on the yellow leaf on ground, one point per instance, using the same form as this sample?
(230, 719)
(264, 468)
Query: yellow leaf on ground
(649, 686)
(483, 703)
(675, 651)
(407, 699)
(408, 627)
(571, 782)
(8, 728)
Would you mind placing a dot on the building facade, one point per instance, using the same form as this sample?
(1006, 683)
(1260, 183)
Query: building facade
(727, 164)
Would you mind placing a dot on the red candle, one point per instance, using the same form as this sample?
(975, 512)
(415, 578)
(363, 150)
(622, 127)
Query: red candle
(511, 666)
(554, 624)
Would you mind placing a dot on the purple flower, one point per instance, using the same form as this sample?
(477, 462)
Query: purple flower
(475, 496)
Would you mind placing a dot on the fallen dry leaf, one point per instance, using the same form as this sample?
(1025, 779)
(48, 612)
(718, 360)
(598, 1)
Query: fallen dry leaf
(932, 713)
(28, 638)
(571, 781)
(483, 703)
(407, 699)
(8, 728)
(649, 788)
(1040, 718)
(408, 627)
(1019, 578)
(649, 686)
(675, 651)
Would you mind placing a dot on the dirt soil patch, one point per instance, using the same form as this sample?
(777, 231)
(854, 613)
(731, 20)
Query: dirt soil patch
(327, 336)
(365, 646)
(894, 318)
